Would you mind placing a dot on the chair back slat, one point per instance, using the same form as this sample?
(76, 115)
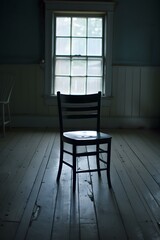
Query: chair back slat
(77, 116)
(90, 98)
(79, 107)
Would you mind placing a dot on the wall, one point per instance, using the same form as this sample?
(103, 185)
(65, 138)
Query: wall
(134, 103)
(137, 33)
(22, 32)
(136, 61)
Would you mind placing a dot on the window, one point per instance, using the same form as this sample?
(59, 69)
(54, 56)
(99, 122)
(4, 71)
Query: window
(78, 58)
(78, 47)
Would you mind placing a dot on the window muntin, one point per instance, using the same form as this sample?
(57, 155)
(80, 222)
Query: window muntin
(78, 59)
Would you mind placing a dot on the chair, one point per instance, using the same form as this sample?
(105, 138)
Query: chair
(6, 86)
(83, 107)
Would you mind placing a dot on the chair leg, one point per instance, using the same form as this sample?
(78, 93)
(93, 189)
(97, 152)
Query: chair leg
(9, 115)
(3, 119)
(60, 161)
(108, 164)
(97, 159)
(74, 168)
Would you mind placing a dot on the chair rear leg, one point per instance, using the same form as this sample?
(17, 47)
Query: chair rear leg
(108, 164)
(60, 161)
(97, 159)
(74, 168)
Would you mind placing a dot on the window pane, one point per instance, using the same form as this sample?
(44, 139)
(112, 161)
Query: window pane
(94, 68)
(63, 26)
(78, 85)
(62, 67)
(78, 46)
(63, 46)
(78, 68)
(94, 84)
(95, 27)
(62, 84)
(79, 27)
(94, 47)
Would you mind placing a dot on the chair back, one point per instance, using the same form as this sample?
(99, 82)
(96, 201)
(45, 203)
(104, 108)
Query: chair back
(79, 112)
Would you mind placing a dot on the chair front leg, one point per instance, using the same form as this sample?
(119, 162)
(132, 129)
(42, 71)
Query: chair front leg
(60, 160)
(9, 114)
(3, 118)
(108, 164)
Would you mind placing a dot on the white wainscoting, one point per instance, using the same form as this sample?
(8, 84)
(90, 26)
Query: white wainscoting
(135, 97)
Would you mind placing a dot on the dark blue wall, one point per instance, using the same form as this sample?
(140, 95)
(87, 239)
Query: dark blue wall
(21, 31)
(136, 32)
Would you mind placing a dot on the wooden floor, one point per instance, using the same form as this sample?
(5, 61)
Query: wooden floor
(34, 207)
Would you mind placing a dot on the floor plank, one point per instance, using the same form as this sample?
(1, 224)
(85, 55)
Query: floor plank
(132, 182)
(41, 227)
(33, 206)
(42, 157)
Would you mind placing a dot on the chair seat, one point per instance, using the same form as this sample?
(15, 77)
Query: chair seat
(86, 137)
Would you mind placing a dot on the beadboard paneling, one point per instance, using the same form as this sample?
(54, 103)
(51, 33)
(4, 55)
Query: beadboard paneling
(135, 94)
(136, 91)
(126, 91)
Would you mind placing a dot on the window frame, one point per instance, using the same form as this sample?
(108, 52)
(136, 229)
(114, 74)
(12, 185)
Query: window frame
(86, 57)
(53, 7)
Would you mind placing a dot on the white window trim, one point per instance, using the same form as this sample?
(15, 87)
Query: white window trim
(55, 6)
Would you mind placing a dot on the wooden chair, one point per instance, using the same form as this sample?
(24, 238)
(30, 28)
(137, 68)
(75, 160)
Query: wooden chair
(6, 86)
(73, 107)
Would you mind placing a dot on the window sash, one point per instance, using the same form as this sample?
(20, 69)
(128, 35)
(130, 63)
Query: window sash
(82, 60)
(89, 76)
